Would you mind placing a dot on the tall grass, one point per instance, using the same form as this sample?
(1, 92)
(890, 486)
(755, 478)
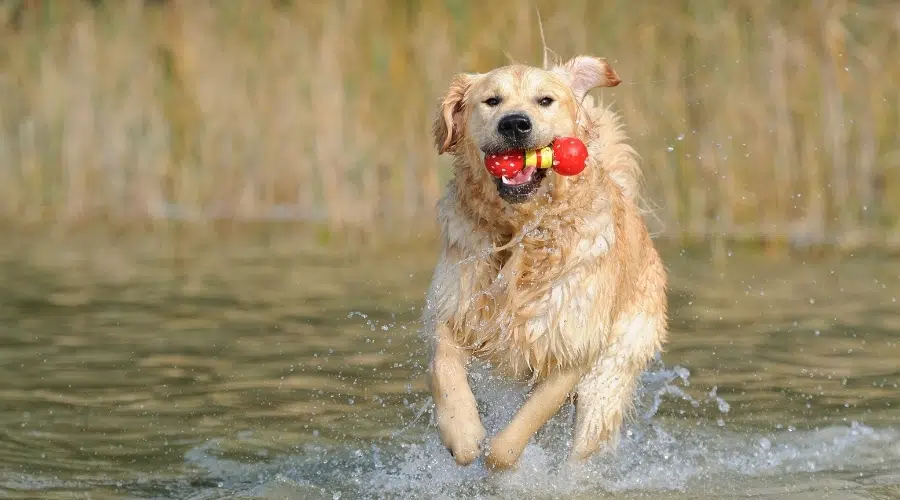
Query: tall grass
(754, 118)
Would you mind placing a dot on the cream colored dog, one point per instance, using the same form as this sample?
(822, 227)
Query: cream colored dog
(552, 280)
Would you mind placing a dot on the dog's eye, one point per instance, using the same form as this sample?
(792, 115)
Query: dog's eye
(545, 101)
(492, 101)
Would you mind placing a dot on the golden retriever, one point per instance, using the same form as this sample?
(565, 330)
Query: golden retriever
(552, 280)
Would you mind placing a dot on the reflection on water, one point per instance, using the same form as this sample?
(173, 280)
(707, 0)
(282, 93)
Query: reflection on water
(256, 368)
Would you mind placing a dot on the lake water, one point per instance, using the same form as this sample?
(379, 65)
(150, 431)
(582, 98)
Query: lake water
(254, 367)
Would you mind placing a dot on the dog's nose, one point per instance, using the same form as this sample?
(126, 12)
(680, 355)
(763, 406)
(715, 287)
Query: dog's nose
(515, 126)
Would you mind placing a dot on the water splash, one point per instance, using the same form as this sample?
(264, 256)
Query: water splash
(655, 454)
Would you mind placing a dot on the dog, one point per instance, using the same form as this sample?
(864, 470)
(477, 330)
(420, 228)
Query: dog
(551, 280)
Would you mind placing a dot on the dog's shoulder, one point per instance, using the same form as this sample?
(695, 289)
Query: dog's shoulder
(458, 230)
(608, 142)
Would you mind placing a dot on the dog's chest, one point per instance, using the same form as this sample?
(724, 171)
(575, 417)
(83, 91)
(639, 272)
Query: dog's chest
(528, 312)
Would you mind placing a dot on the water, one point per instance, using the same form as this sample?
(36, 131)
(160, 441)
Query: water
(255, 368)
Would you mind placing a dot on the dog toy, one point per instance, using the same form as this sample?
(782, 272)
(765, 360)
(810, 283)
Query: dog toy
(566, 155)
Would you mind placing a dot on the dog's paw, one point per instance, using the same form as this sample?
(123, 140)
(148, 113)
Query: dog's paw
(502, 454)
(463, 438)
(597, 443)
(582, 452)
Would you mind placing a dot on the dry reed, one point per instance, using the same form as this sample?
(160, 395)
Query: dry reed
(754, 118)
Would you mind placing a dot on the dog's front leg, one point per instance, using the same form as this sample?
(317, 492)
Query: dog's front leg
(604, 396)
(456, 411)
(546, 399)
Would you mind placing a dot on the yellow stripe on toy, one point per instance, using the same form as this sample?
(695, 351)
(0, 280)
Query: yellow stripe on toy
(546, 157)
(540, 158)
(530, 158)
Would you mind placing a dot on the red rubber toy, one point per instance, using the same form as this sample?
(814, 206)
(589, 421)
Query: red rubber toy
(506, 164)
(566, 155)
(569, 156)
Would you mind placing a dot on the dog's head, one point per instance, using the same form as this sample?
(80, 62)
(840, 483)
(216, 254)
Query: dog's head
(517, 108)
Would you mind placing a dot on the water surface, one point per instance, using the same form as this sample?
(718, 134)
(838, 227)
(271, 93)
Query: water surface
(255, 367)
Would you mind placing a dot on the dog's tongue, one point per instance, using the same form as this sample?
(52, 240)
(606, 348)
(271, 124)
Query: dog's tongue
(522, 177)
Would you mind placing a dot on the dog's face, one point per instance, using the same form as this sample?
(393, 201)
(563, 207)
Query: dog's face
(517, 108)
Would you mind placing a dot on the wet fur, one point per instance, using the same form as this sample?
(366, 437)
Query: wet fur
(564, 291)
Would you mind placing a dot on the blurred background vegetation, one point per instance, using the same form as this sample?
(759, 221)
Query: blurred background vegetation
(756, 120)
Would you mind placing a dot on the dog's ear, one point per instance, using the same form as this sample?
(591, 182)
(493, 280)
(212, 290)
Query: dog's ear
(585, 73)
(448, 123)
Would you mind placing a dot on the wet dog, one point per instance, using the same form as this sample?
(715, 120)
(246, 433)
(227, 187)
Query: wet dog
(551, 280)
